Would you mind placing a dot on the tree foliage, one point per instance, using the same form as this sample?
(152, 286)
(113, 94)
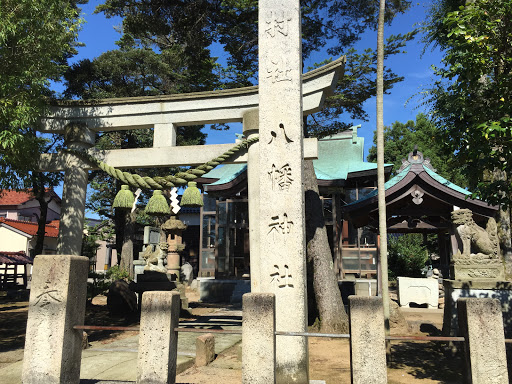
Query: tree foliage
(407, 255)
(36, 38)
(472, 99)
(400, 139)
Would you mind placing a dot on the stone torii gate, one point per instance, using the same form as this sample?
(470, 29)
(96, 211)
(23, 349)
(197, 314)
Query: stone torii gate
(274, 111)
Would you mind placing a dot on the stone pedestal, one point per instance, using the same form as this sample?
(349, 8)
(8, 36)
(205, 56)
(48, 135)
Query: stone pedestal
(53, 349)
(465, 269)
(479, 288)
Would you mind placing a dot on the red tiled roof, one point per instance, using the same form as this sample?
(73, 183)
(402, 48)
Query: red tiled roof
(30, 228)
(12, 197)
(15, 258)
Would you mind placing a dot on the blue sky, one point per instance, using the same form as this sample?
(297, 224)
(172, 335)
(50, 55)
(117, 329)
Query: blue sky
(99, 35)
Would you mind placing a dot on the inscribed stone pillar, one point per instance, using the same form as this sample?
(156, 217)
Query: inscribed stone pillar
(78, 137)
(251, 120)
(281, 152)
(53, 349)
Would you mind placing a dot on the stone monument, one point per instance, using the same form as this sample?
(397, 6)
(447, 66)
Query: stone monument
(478, 255)
(281, 154)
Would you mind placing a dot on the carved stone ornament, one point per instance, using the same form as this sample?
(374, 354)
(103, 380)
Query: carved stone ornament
(155, 259)
(480, 254)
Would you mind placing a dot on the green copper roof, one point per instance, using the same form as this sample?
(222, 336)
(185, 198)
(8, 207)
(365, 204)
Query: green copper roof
(445, 182)
(225, 173)
(395, 180)
(338, 156)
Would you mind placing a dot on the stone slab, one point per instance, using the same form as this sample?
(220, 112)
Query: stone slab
(205, 349)
(494, 270)
(367, 340)
(481, 324)
(418, 291)
(57, 303)
(158, 342)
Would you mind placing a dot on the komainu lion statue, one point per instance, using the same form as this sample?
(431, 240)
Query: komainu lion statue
(476, 242)
(155, 259)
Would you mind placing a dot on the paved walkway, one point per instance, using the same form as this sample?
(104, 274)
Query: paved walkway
(117, 361)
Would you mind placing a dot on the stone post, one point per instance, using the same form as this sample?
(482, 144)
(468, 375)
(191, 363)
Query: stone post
(367, 341)
(258, 338)
(281, 157)
(53, 349)
(250, 123)
(205, 350)
(158, 342)
(481, 323)
(78, 137)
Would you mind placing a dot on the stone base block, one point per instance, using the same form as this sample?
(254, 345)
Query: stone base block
(480, 288)
(205, 349)
(418, 290)
(495, 271)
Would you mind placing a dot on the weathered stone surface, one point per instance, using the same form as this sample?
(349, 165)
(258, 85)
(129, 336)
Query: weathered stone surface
(258, 339)
(478, 254)
(281, 155)
(57, 303)
(184, 109)
(481, 323)
(418, 291)
(158, 342)
(367, 341)
(205, 349)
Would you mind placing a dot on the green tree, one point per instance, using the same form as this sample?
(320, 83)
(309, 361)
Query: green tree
(472, 98)
(36, 39)
(400, 139)
(407, 255)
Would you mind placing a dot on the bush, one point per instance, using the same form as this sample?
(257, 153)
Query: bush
(406, 255)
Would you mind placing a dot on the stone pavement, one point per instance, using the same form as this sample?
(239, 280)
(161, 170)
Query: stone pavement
(117, 361)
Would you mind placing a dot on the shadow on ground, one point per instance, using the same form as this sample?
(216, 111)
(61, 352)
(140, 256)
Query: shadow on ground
(428, 360)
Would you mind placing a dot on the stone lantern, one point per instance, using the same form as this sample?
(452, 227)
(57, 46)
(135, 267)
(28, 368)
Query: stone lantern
(173, 228)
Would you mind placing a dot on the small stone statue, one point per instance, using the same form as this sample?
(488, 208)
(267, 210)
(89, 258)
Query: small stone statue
(480, 254)
(476, 242)
(155, 259)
